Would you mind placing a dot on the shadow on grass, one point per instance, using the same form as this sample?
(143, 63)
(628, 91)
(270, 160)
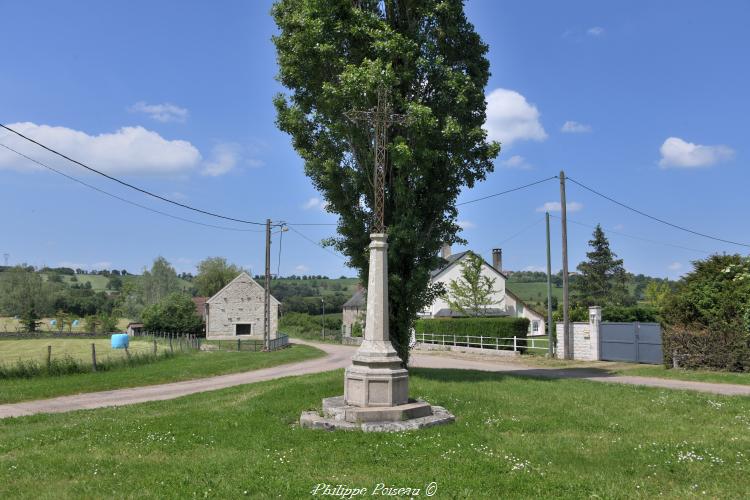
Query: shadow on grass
(547, 374)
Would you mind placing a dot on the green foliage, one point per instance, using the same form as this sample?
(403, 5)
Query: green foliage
(707, 315)
(100, 323)
(471, 294)
(657, 293)
(333, 57)
(214, 273)
(301, 323)
(486, 327)
(159, 282)
(175, 313)
(603, 278)
(629, 314)
(30, 319)
(23, 292)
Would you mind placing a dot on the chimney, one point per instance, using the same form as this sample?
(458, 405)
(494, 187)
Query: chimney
(497, 259)
(445, 252)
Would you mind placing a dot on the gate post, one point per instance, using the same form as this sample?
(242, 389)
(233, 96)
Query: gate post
(595, 320)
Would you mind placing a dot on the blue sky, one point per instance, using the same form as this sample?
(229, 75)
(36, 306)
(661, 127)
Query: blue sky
(644, 101)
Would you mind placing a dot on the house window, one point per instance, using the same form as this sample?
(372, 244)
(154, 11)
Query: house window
(243, 329)
(535, 326)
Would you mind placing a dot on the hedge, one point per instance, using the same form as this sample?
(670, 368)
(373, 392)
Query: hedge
(484, 327)
(718, 348)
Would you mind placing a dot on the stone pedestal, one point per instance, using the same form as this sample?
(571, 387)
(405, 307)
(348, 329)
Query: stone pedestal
(376, 386)
(376, 377)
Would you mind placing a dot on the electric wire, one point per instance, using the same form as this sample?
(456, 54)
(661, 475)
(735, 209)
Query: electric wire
(507, 191)
(681, 228)
(131, 186)
(124, 200)
(317, 244)
(634, 237)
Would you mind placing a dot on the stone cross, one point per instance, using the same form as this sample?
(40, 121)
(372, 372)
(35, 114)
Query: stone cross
(380, 118)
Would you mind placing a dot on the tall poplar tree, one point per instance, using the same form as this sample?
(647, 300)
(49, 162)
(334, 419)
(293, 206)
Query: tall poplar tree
(603, 278)
(333, 55)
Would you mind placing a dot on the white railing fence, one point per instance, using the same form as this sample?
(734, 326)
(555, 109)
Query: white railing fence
(515, 344)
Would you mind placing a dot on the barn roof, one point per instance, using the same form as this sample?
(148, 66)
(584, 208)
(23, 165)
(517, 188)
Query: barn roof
(359, 299)
(241, 275)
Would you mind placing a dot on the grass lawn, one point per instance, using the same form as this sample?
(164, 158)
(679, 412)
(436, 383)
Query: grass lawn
(183, 366)
(514, 438)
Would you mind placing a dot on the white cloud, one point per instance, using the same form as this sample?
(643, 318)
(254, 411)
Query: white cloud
(129, 150)
(511, 118)
(517, 161)
(315, 202)
(224, 157)
(675, 266)
(165, 112)
(573, 127)
(301, 268)
(554, 206)
(676, 152)
(466, 224)
(595, 31)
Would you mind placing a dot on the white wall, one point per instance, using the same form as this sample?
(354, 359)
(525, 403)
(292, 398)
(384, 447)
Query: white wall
(454, 273)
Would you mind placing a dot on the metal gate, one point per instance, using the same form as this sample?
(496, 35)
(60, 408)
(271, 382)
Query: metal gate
(636, 342)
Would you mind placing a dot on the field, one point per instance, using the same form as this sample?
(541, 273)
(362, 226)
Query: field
(183, 366)
(8, 324)
(12, 351)
(534, 293)
(99, 282)
(514, 438)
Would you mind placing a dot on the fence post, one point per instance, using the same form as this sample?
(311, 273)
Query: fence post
(93, 356)
(154, 347)
(515, 344)
(127, 353)
(481, 342)
(497, 343)
(49, 357)
(454, 341)
(171, 347)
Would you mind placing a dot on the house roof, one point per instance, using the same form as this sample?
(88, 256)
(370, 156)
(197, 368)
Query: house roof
(450, 313)
(455, 258)
(200, 305)
(252, 281)
(359, 299)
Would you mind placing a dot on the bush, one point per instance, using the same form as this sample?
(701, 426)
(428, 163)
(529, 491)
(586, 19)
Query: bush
(175, 313)
(629, 313)
(725, 349)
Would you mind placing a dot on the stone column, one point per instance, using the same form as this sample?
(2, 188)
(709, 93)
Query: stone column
(376, 377)
(595, 319)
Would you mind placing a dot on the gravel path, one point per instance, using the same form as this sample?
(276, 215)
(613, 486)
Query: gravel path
(339, 356)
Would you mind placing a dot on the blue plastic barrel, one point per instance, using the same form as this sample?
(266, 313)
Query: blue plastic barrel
(120, 341)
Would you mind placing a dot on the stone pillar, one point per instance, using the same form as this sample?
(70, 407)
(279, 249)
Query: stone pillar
(376, 377)
(595, 320)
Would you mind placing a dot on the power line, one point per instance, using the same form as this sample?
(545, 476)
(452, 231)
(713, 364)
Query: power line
(317, 244)
(131, 186)
(507, 191)
(124, 200)
(636, 237)
(681, 228)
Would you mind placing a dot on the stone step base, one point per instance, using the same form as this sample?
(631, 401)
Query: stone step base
(411, 416)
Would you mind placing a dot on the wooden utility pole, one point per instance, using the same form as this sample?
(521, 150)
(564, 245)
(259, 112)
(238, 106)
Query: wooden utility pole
(550, 324)
(267, 295)
(567, 354)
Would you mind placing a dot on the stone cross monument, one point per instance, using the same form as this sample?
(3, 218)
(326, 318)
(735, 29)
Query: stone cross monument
(376, 377)
(376, 386)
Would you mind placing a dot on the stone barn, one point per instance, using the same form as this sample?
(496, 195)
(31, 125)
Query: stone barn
(354, 311)
(237, 310)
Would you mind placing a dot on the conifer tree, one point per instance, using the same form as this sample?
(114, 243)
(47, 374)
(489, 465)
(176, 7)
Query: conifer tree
(603, 278)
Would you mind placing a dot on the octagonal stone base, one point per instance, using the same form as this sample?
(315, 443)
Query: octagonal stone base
(366, 386)
(412, 415)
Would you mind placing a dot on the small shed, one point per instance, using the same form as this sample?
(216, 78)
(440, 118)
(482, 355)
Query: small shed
(135, 329)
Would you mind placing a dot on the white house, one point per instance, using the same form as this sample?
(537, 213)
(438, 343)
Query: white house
(237, 309)
(506, 303)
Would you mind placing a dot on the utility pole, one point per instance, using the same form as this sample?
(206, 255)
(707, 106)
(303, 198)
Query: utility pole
(567, 354)
(550, 324)
(267, 295)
